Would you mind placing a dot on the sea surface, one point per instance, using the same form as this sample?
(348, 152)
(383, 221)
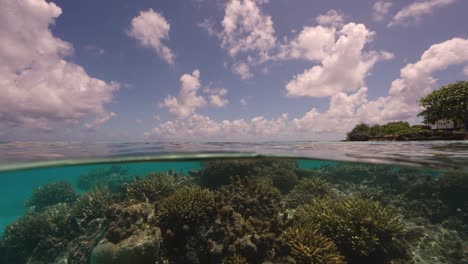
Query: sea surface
(255, 202)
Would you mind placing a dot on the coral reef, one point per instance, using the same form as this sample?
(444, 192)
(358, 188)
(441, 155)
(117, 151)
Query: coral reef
(307, 245)
(307, 190)
(52, 193)
(247, 211)
(185, 209)
(91, 205)
(363, 230)
(39, 236)
(150, 189)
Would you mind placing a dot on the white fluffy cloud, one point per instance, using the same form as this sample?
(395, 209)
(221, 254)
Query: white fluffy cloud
(216, 96)
(416, 79)
(380, 10)
(246, 28)
(331, 18)
(344, 64)
(101, 119)
(201, 127)
(414, 13)
(150, 28)
(39, 88)
(242, 70)
(188, 100)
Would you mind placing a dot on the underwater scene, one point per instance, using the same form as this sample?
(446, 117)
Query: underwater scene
(234, 210)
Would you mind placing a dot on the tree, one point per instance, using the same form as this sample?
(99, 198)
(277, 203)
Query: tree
(449, 102)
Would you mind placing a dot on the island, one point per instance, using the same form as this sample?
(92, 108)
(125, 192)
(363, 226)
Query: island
(445, 117)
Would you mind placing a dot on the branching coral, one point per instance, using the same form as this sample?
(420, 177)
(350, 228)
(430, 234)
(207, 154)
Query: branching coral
(186, 208)
(52, 193)
(307, 245)
(91, 205)
(362, 229)
(252, 198)
(152, 188)
(307, 190)
(23, 236)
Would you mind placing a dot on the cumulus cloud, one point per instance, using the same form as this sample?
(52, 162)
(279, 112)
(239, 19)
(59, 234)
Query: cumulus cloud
(216, 96)
(150, 28)
(416, 79)
(343, 64)
(380, 10)
(242, 70)
(40, 89)
(188, 99)
(201, 127)
(246, 28)
(331, 18)
(414, 13)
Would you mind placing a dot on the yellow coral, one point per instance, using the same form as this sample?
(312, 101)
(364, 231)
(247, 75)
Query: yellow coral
(188, 206)
(307, 245)
(359, 227)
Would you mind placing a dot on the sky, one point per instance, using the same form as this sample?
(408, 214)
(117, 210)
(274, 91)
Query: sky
(221, 70)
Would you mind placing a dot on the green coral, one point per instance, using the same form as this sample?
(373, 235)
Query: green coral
(152, 188)
(186, 208)
(308, 190)
(362, 229)
(307, 245)
(52, 193)
(22, 237)
(91, 205)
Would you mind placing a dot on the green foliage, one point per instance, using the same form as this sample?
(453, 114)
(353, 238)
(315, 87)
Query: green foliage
(52, 193)
(91, 205)
(185, 208)
(389, 129)
(362, 229)
(449, 102)
(152, 188)
(307, 190)
(307, 245)
(22, 236)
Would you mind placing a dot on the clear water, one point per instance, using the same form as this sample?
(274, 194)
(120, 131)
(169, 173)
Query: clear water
(276, 202)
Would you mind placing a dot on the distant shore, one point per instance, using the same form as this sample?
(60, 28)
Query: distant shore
(416, 136)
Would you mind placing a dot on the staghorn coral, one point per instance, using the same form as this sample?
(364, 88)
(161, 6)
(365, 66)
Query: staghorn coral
(37, 234)
(307, 190)
(307, 245)
(251, 198)
(52, 193)
(187, 207)
(150, 189)
(91, 205)
(362, 229)
(235, 259)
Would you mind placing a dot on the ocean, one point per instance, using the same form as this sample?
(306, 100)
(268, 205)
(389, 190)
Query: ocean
(257, 202)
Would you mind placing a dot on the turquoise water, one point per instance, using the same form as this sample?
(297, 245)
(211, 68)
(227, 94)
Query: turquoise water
(234, 203)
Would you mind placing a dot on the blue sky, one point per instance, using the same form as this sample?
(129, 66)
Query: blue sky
(221, 70)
